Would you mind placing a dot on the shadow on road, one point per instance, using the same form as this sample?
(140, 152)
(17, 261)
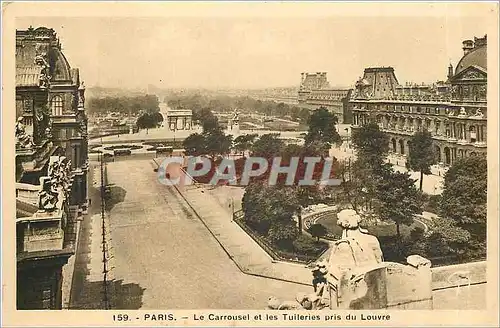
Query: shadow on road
(120, 296)
(115, 195)
(126, 296)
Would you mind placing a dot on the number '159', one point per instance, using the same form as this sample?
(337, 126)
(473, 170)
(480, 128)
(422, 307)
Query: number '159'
(120, 317)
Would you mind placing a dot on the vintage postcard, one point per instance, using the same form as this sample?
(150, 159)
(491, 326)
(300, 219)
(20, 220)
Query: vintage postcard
(249, 164)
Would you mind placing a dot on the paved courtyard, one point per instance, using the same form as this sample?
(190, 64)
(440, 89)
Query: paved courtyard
(170, 256)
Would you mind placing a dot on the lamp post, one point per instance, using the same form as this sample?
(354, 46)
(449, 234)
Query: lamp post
(347, 131)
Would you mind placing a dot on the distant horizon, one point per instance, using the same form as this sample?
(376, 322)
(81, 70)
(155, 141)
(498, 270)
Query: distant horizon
(251, 53)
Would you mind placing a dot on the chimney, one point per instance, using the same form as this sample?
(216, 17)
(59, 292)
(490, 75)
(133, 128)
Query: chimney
(478, 42)
(450, 71)
(468, 45)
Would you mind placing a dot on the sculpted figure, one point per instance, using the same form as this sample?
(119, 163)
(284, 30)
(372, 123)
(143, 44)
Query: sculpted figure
(48, 196)
(23, 139)
(463, 112)
(236, 115)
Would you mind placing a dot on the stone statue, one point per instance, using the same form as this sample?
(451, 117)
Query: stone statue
(479, 113)
(482, 92)
(48, 196)
(236, 115)
(81, 95)
(23, 140)
(463, 112)
(356, 276)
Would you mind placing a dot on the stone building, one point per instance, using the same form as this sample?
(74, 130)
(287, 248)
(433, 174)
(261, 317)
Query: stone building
(315, 92)
(51, 165)
(453, 111)
(180, 119)
(176, 119)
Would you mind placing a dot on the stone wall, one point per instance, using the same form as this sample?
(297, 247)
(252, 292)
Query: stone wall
(453, 275)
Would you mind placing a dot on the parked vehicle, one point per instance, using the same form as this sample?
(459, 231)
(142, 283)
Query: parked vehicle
(122, 151)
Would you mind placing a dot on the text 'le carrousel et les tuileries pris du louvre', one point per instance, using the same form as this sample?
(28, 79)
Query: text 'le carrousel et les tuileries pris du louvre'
(287, 316)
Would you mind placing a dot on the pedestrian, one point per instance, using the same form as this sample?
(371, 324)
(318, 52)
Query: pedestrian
(90, 201)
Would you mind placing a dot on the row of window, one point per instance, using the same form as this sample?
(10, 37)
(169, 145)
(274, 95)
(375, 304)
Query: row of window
(406, 108)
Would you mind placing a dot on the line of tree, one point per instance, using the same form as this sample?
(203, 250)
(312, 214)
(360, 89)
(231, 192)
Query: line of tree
(198, 102)
(123, 104)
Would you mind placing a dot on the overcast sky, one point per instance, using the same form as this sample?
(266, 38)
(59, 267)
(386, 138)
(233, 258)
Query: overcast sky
(257, 52)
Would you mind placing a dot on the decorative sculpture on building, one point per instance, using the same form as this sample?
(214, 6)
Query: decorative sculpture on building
(23, 140)
(479, 113)
(81, 95)
(41, 60)
(463, 112)
(59, 176)
(43, 122)
(48, 197)
(472, 75)
(48, 129)
(482, 92)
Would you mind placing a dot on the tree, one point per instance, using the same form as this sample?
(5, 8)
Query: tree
(447, 238)
(464, 198)
(267, 207)
(146, 121)
(158, 118)
(322, 128)
(371, 143)
(194, 145)
(421, 155)
(208, 121)
(318, 230)
(244, 142)
(267, 146)
(398, 199)
(217, 143)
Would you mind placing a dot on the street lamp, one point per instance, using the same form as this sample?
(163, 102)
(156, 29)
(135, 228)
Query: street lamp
(347, 131)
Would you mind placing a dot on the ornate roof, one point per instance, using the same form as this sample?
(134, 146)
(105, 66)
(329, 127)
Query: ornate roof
(28, 76)
(40, 47)
(476, 57)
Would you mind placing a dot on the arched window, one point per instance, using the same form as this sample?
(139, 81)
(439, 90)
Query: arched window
(56, 105)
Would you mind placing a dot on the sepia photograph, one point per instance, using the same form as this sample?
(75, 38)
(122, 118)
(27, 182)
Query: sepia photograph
(316, 165)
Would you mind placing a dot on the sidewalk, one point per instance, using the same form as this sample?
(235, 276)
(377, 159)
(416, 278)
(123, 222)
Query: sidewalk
(87, 288)
(241, 248)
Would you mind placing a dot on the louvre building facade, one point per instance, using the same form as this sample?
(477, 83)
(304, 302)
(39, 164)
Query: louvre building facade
(51, 166)
(452, 110)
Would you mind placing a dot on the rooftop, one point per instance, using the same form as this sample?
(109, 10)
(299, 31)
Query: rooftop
(476, 57)
(28, 76)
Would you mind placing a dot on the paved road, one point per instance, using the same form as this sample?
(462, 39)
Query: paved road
(167, 258)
